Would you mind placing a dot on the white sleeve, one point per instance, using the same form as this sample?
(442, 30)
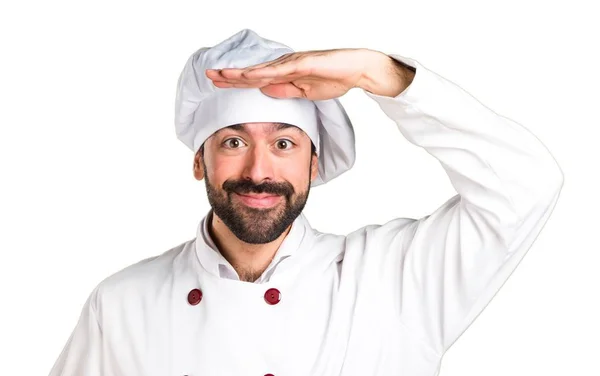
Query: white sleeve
(455, 259)
(82, 354)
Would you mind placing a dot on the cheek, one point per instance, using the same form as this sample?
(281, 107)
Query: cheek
(222, 169)
(296, 174)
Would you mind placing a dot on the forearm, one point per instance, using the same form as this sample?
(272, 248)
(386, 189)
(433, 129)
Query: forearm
(449, 263)
(498, 167)
(384, 75)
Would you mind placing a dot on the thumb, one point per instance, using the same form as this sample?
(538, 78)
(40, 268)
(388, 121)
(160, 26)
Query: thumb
(281, 91)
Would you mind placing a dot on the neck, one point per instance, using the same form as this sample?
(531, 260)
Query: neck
(248, 260)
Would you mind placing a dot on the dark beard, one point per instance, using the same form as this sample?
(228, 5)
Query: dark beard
(256, 225)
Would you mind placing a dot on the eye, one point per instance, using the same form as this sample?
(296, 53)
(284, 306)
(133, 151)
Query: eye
(284, 144)
(233, 143)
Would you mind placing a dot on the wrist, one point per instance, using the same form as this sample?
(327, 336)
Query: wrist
(384, 75)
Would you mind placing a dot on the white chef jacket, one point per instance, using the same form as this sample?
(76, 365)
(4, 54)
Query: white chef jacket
(383, 300)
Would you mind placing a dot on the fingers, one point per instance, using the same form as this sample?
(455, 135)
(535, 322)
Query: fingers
(215, 75)
(283, 91)
(274, 77)
(279, 60)
(237, 73)
(231, 75)
(275, 91)
(280, 70)
(224, 84)
(220, 81)
(286, 68)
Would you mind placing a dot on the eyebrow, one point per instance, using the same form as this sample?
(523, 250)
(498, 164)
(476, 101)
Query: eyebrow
(275, 127)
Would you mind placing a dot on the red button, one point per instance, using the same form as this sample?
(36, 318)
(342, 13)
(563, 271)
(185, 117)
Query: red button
(269, 374)
(272, 296)
(195, 296)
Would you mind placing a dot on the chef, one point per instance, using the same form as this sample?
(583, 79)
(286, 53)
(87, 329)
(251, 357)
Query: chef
(258, 291)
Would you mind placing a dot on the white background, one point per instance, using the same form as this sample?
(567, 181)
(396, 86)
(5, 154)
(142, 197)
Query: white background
(93, 178)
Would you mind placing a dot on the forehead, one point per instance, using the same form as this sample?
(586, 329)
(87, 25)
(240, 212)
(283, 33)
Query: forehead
(266, 127)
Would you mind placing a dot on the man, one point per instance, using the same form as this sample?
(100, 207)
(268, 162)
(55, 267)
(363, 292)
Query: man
(260, 292)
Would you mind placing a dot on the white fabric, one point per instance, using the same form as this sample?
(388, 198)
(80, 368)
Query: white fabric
(218, 265)
(384, 300)
(250, 105)
(201, 108)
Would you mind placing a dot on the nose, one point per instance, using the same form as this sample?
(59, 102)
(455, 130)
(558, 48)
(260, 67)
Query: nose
(258, 166)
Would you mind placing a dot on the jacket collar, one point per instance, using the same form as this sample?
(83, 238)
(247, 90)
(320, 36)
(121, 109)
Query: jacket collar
(213, 261)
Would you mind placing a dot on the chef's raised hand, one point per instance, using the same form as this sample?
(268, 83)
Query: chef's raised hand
(319, 75)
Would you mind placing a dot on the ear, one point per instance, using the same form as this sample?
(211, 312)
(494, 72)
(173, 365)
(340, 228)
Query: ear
(314, 167)
(198, 166)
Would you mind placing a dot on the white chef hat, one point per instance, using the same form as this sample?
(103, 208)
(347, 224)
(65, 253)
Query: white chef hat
(201, 108)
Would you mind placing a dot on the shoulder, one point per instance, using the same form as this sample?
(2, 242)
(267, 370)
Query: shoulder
(393, 234)
(389, 231)
(144, 276)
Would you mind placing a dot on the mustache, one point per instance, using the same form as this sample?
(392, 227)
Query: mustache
(248, 186)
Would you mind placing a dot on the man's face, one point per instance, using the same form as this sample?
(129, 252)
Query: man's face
(257, 177)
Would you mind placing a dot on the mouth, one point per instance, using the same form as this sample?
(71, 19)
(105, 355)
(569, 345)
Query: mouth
(258, 200)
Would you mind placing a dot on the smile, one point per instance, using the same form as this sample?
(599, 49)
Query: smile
(258, 200)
